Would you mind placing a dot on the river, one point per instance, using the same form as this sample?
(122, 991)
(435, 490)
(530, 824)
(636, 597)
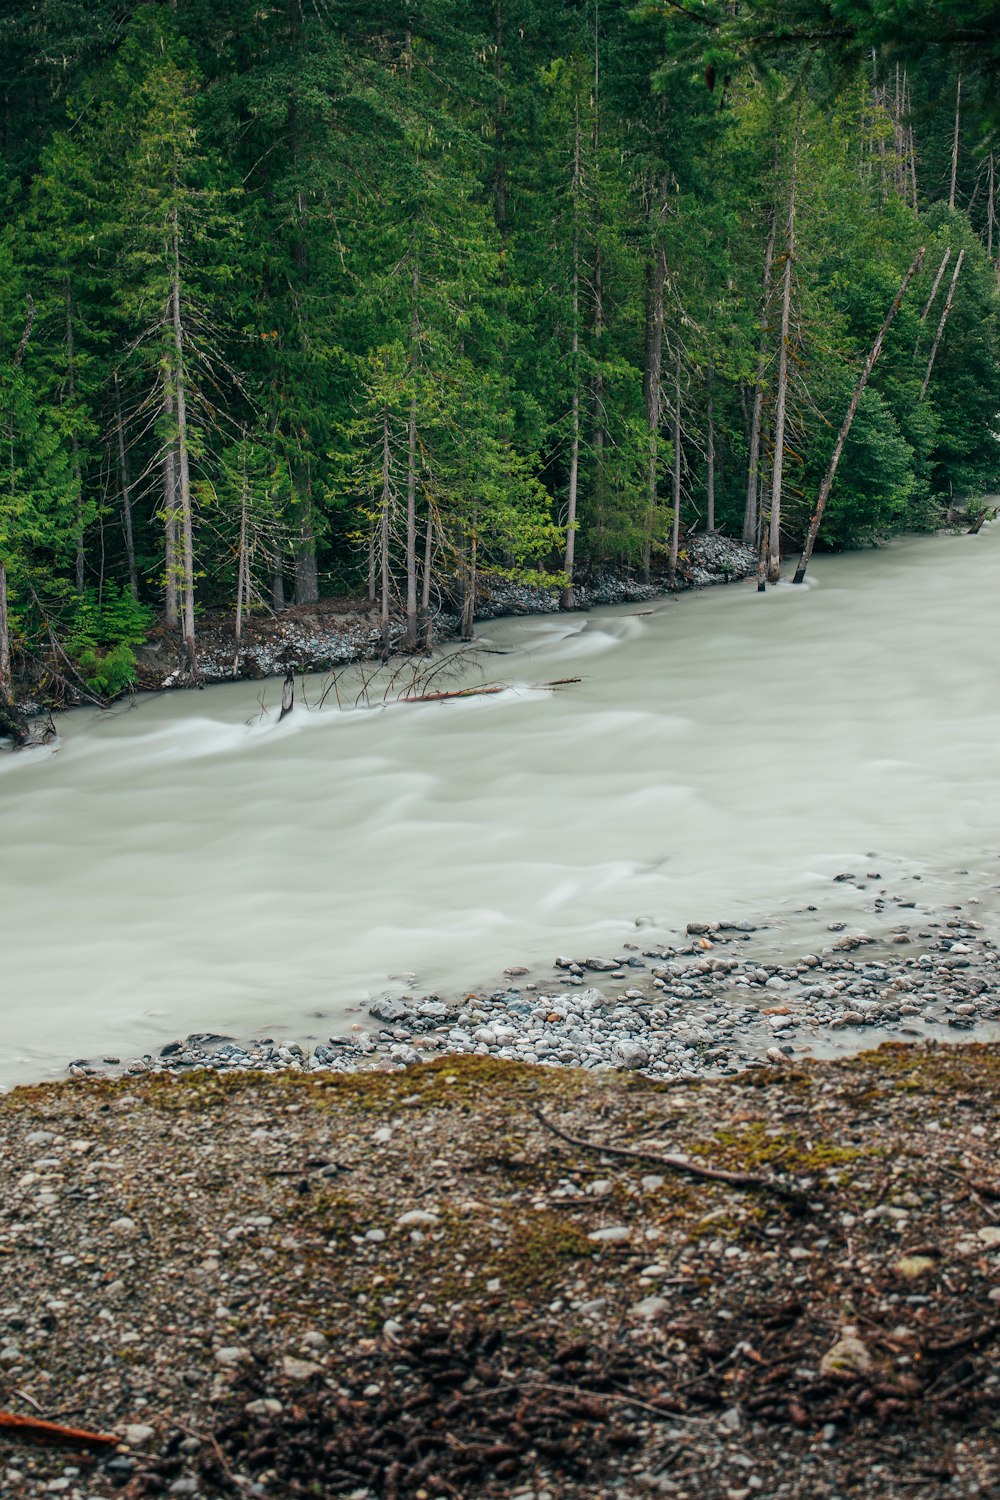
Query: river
(173, 867)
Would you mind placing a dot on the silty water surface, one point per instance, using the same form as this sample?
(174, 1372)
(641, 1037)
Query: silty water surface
(173, 867)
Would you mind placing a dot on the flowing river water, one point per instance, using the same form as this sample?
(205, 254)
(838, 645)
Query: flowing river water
(172, 867)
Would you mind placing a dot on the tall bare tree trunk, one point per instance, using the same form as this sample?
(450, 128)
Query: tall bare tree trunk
(656, 281)
(411, 528)
(954, 149)
(12, 721)
(171, 600)
(384, 530)
(933, 293)
(750, 513)
(242, 570)
(598, 273)
(991, 209)
(470, 581)
(943, 320)
(126, 488)
(574, 459)
(425, 582)
(675, 524)
(845, 426)
(183, 471)
(411, 473)
(781, 398)
(710, 453)
(6, 676)
(73, 439)
(499, 112)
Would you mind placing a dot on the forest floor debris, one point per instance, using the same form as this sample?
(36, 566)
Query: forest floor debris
(401, 1286)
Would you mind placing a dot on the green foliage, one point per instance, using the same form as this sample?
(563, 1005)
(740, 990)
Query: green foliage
(99, 634)
(453, 215)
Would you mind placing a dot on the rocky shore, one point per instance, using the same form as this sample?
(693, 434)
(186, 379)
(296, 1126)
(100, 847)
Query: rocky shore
(332, 633)
(707, 1006)
(482, 1279)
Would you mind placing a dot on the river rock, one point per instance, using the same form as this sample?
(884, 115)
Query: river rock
(388, 1009)
(629, 1054)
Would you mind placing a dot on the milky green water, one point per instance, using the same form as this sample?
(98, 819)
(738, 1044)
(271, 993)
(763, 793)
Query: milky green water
(172, 867)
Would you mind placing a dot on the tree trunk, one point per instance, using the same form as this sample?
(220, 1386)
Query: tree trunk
(6, 676)
(11, 721)
(710, 454)
(598, 275)
(241, 567)
(133, 577)
(934, 291)
(653, 378)
(183, 472)
(954, 149)
(171, 606)
(845, 427)
(470, 581)
(781, 399)
(675, 524)
(287, 694)
(73, 439)
(425, 582)
(411, 529)
(499, 111)
(943, 320)
(384, 531)
(306, 571)
(750, 513)
(574, 460)
(991, 209)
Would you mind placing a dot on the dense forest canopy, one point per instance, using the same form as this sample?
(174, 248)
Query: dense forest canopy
(315, 297)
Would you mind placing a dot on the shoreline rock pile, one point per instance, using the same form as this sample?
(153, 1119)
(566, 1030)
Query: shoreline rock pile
(705, 1007)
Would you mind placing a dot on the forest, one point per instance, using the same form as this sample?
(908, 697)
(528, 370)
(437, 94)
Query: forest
(311, 299)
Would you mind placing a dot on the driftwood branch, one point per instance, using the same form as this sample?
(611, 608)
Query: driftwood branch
(479, 692)
(33, 1429)
(679, 1164)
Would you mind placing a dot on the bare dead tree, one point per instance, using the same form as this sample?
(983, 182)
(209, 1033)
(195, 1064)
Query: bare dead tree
(845, 426)
(781, 398)
(945, 311)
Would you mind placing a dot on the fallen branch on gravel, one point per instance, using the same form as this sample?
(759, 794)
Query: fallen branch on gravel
(965, 1340)
(33, 1429)
(679, 1164)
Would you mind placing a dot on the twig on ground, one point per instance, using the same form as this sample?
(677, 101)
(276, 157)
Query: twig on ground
(679, 1164)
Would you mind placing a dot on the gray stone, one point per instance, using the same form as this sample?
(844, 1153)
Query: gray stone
(265, 1407)
(629, 1054)
(231, 1356)
(615, 1235)
(299, 1370)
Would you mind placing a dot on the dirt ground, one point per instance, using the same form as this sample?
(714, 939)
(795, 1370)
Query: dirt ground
(407, 1285)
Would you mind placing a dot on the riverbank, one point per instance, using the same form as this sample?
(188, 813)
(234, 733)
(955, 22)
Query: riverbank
(332, 633)
(406, 1286)
(335, 633)
(716, 1003)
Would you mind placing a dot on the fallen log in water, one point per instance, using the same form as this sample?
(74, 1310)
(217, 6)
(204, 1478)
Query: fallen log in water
(479, 692)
